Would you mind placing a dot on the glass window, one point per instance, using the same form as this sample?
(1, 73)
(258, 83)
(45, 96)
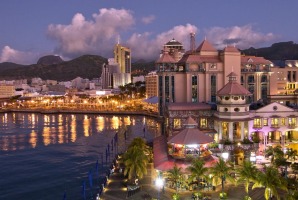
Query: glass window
(177, 123)
(292, 121)
(283, 121)
(257, 122)
(274, 122)
(265, 121)
(203, 123)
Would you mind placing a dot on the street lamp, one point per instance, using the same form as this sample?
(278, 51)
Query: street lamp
(225, 156)
(159, 183)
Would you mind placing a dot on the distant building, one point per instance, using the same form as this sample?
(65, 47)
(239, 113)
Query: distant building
(151, 84)
(138, 79)
(7, 91)
(122, 56)
(284, 84)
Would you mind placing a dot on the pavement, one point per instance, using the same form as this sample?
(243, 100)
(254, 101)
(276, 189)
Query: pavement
(116, 190)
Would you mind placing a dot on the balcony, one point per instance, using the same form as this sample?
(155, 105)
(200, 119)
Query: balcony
(257, 126)
(292, 126)
(275, 126)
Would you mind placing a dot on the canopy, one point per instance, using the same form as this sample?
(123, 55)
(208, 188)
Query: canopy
(152, 100)
(190, 136)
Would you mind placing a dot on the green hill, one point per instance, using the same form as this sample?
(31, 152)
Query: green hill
(87, 66)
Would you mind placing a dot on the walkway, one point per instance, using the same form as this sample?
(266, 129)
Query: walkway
(116, 190)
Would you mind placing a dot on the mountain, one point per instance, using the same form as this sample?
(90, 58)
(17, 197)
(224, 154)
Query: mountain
(87, 66)
(49, 60)
(277, 51)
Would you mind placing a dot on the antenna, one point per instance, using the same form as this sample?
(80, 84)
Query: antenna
(118, 39)
(192, 41)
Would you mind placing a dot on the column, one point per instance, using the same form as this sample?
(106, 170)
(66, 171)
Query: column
(219, 130)
(231, 137)
(242, 130)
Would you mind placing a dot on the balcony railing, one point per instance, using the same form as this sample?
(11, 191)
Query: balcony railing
(292, 126)
(257, 126)
(275, 126)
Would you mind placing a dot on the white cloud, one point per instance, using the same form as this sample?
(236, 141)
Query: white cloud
(144, 47)
(94, 36)
(241, 36)
(9, 54)
(149, 19)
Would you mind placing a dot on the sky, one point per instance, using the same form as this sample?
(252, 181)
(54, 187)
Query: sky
(30, 29)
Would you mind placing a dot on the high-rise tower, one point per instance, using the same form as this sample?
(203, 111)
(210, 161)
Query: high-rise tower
(122, 56)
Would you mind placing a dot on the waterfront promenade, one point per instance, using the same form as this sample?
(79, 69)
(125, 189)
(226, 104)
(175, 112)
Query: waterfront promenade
(116, 190)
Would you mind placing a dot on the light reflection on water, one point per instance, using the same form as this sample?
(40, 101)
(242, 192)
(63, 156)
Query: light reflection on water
(20, 129)
(44, 154)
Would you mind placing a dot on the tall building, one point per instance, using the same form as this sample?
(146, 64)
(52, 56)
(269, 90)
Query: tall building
(151, 85)
(122, 56)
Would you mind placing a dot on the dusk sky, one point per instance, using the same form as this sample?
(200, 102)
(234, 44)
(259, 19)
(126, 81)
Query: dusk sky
(71, 28)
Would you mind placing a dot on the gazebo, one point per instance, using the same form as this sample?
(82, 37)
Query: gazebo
(189, 142)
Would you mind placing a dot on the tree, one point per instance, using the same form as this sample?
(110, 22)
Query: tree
(247, 173)
(291, 154)
(222, 171)
(175, 176)
(271, 180)
(135, 161)
(197, 169)
(275, 152)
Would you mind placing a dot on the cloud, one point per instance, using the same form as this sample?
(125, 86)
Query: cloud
(9, 54)
(241, 36)
(91, 36)
(149, 19)
(143, 46)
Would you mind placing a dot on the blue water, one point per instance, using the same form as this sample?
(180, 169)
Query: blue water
(43, 156)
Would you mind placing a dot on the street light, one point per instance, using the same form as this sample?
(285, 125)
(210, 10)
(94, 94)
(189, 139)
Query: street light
(225, 156)
(159, 183)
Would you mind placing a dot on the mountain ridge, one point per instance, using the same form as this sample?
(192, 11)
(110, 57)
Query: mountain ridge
(89, 66)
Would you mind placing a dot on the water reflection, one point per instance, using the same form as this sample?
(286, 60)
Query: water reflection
(31, 130)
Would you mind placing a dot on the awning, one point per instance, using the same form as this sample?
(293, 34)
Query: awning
(190, 136)
(152, 100)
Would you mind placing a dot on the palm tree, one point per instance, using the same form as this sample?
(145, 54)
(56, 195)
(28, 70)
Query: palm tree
(197, 169)
(222, 171)
(271, 180)
(135, 161)
(175, 175)
(247, 173)
(291, 154)
(275, 152)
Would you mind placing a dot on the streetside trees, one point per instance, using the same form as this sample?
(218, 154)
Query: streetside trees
(271, 180)
(247, 173)
(175, 175)
(197, 169)
(222, 171)
(136, 159)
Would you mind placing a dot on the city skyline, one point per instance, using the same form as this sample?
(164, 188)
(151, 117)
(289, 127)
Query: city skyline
(73, 28)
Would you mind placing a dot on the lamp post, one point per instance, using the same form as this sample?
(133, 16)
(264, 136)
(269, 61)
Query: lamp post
(159, 183)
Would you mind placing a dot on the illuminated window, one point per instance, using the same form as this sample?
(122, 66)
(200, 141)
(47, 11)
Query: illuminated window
(257, 122)
(177, 123)
(203, 123)
(292, 121)
(283, 121)
(265, 121)
(274, 122)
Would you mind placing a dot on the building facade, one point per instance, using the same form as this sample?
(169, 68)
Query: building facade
(151, 85)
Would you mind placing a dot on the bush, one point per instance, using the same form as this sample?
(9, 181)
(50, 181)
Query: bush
(176, 196)
(223, 195)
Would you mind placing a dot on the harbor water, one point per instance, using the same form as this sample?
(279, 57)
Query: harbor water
(47, 156)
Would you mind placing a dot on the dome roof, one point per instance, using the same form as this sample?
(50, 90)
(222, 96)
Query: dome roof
(173, 42)
(233, 87)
